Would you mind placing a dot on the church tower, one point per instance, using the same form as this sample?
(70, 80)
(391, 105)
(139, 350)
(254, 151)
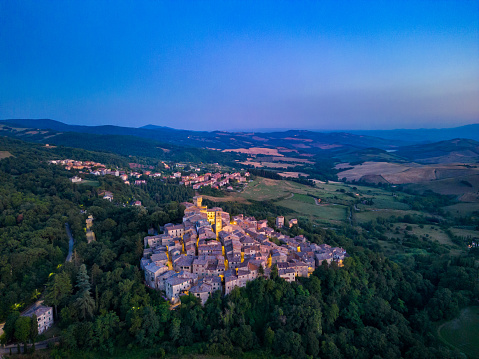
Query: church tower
(218, 223)
(197, 200)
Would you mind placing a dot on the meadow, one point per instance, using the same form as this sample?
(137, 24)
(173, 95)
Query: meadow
(462, 333)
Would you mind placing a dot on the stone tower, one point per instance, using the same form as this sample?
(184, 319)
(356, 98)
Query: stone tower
(218, 223)
(197, 200)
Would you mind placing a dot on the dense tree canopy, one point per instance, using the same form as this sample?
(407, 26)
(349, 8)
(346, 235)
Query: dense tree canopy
(370, 307)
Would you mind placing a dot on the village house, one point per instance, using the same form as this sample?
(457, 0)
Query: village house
(44, 316)
(108, 196)
(174, 230)
(280, 222)
(152, 271)
(202, 291)
(179, 283)
(184, 263)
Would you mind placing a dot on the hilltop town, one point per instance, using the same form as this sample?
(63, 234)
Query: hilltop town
(193, 179)
(211, 251)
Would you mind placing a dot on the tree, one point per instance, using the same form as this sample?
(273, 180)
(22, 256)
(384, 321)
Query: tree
(269, 337)
(83, 280)
(9, 327)
(34, 330)
(274, 272)
(261, 269)
(22, 330)
(85, 305)
(58, 290)
(106, 327)
(10, 221)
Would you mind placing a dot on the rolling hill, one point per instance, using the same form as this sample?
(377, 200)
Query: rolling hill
(451, 151)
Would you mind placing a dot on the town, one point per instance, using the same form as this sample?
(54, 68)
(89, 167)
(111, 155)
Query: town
(194, 180)
(211, 251)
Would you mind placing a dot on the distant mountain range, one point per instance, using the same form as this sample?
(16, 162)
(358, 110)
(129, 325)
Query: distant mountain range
(293, 139)
(158, 141)
(426, 134)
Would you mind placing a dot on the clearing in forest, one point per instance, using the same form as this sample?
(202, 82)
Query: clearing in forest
(5, 154)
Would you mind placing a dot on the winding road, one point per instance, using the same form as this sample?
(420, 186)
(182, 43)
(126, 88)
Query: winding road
(71, 242)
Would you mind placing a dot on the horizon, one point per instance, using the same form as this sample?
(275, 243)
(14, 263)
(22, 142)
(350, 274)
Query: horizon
(238, 66)
(260, 130)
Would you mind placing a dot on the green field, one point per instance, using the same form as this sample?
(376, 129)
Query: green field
(324, 213)
(460, 232)
(462, 209)
(334, 199)
(462, 333)
(303, 198)
(397, 251)
(431, 232)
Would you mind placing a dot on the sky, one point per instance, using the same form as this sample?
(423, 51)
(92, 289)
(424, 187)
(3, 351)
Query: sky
(242, 65)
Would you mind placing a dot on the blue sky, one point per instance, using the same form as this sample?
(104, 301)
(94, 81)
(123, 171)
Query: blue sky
(204, 65)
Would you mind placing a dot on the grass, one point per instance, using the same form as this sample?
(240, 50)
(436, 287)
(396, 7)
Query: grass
(466, 233)
(397, 252)
(462, 333)
(462, 209)
(431, 232)
(334, 196)
(303, 198)
(323, 214)
(262, 189)
(53, 331)
(382, 201)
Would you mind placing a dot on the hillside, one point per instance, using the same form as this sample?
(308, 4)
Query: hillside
(424, 135)
(123, 144)
(369, 154)
(298, 141)
(456, 150)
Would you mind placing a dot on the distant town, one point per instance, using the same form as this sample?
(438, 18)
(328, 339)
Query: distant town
(194, 180)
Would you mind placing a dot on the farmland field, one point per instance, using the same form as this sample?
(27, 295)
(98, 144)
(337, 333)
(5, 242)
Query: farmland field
(462, 333)
(323, 213)
(334, 198)
(460, 232)
(462, 209)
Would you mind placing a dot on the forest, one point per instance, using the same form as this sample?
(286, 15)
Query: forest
(371, 307)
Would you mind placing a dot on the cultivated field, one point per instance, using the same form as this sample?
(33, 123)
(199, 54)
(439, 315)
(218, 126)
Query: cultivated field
(256, 151)
(232, 198)
(292, 174)
(466, 188)
(401, 173)
(268, 164)
(465, 233)
(462, 209)
(333, 200)
(325, 214)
